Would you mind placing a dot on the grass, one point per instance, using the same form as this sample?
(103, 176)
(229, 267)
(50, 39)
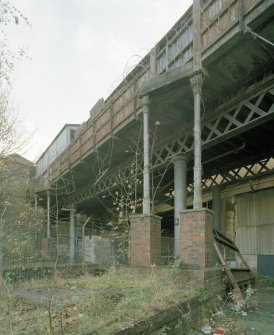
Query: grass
(108, 303)
(265, 281)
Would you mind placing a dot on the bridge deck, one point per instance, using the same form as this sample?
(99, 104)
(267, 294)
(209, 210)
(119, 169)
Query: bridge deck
(167, 68)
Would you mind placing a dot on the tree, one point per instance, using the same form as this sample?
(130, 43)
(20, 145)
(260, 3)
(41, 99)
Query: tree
(18, 221)
(125, 198)
(12, 136)
(8, 14)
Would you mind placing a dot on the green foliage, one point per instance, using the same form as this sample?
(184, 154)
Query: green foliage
(112, 301)
(205, 295)
(21, 226)
(265, 281)
(125, 203)
(164, 331)
(193, 332)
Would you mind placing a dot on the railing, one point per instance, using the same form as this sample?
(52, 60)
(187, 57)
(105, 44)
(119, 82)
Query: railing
(220, 16)
(175, 49)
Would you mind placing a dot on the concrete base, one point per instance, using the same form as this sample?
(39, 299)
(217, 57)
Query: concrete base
(145, 238)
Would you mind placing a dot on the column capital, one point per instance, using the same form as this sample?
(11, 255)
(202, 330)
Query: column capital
(179, 157)
(196, 82)
(145, 101)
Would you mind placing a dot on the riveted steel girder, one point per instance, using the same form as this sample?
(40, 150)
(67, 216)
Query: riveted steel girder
(223, 124)
(248, 172)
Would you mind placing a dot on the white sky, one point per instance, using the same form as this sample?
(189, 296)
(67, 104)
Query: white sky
(78, 52)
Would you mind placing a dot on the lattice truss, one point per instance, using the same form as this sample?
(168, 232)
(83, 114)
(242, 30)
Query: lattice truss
(263, 167)
(223, 125)
(110, 181)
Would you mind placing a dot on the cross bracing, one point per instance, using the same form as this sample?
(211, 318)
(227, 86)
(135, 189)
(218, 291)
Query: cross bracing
(248, 172)
(228, 123)
(224, 124)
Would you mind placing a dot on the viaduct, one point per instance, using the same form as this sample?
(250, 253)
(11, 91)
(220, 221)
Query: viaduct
(192, 122)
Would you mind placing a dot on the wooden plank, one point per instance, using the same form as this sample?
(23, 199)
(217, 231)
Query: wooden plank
(237, 276)
(221, 238)
(225, 266)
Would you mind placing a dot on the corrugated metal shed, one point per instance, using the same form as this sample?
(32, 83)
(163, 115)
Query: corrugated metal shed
(255, 222)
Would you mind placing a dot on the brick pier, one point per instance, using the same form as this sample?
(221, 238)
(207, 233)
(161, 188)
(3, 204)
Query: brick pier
(197, 250)
(145, 236)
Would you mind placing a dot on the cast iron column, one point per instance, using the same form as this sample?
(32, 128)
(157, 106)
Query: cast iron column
(146, 173)
(216, 207)
(180, 185)
(196, 84)
(72, 239)
(48, 214)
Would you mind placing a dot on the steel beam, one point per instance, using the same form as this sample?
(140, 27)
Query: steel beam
(250, 171)
(224, 124)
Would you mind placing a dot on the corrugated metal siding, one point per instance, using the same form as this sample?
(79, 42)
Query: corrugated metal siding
(266, 265)
(255, 222)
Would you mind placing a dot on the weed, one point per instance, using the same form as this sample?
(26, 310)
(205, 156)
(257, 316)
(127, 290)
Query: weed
(266, 281)
(193, 332)
(94, 304)
(163, 331)
(204, 295)
(248, 303)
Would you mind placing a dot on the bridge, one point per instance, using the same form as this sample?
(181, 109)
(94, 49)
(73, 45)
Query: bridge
(193, 118)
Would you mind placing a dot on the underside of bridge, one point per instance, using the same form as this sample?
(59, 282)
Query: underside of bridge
(237, 125)
(237, 122)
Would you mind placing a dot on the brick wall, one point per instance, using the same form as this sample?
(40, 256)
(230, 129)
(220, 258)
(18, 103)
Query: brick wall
(196, 238)
(145, 239)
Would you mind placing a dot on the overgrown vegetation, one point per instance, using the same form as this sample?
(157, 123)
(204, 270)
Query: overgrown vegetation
(91, 304)
(218, 315)
(17, 219)
(265, 281)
